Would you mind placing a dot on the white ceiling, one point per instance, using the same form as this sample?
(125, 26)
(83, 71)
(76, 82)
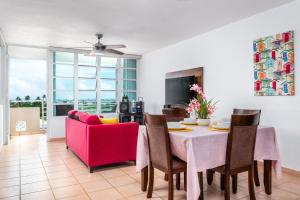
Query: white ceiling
(142, 25)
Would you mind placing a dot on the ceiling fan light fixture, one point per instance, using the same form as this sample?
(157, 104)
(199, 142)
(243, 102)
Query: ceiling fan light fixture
(96, 53)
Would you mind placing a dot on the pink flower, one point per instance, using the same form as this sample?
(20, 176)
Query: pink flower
(193, 105)
(196, 88)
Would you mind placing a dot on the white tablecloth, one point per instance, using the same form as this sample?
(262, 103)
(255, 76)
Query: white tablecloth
(204, 149)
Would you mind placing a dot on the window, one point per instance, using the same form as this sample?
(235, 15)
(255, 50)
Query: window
(63, 83)
(108, 83)
(91, 84)
(87, 84)
(129, 78)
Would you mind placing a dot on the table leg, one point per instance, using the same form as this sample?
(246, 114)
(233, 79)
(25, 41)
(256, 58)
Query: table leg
(144, 179)
(268, 176)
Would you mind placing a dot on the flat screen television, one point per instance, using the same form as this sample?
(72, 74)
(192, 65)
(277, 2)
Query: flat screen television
(177, 90)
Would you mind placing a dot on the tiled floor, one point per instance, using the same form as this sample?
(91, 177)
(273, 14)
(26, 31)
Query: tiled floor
(31, 168)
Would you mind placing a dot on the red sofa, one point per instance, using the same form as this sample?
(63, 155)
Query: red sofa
(102, 144)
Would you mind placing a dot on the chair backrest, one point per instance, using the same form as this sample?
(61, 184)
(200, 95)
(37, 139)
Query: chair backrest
(158, 141)
(246, 111)
(175, 114)
(241, 141)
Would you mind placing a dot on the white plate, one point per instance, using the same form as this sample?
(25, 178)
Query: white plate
(175, 125)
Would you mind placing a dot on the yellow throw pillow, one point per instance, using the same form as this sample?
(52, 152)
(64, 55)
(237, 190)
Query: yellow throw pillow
(109, 120)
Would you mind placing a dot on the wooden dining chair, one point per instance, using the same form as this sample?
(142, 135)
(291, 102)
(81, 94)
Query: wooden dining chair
(160, 154)
(175, 114)
(240, 151)
(235, 177)
(249, 111)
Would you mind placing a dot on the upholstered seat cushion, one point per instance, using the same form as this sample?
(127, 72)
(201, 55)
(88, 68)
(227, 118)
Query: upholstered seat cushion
(178, 165)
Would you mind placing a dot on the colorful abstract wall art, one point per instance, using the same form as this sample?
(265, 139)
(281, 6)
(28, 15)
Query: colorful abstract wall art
(274, 65)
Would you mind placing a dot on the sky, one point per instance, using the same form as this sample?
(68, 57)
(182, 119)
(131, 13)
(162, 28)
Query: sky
(27, 77)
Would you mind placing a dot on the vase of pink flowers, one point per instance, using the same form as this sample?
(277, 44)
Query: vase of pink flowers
(200, 105)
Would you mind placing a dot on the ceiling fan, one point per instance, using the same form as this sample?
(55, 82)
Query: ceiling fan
(100, 49)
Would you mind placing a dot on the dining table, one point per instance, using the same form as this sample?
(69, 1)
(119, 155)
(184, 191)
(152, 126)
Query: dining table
(204, 148)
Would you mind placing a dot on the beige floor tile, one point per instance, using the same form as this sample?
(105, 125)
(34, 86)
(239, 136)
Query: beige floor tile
(31, 166)
(33, 178)
(10, 163)
(130, 170)
(96, 185)
(278, 194)
(62, 182)
(9, 191)
(59, 174)
(130, 190)
(292, 187)
(112, 173)
(80, 197)
(43, 195)
(69, 191)
(143, 196)
(56, 168)
(53, 163)
(35, 187)
(111, 194)
(83, 178)
(121, 180)
(80, 171)
(9, 169)
(11, 198)
(8, 175)
(9, 182)
(29, 172)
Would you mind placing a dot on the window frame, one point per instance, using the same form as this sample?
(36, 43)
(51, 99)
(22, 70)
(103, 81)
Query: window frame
(118, 79)
(52, 78)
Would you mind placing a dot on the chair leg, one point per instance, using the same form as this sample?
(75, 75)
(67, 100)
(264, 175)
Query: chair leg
(256, 177)
(178, 181)
(185, 183)
(209, 176)
(234, 183)
(151, 181)
(200, 179)
(166, 177)
(227, 187)
(250, 184)
(170, 187)
(222, 182)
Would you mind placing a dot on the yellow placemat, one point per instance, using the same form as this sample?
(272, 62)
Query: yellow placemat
(218, 129)
(187, 124)
(181, 130)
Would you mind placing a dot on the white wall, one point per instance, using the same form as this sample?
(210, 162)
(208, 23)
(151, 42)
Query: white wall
(227, 57)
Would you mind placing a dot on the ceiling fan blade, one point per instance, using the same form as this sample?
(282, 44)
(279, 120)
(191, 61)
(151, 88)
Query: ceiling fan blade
(79, 47)
(88, 42)
(115, 46)
(114, 51)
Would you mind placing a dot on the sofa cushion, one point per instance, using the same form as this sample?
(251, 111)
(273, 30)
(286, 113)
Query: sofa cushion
(89, 119)
(109, 120)
(71, 114)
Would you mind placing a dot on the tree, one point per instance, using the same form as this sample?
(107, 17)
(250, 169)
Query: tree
(27, 98)
(44, 96)
(18, 98)
(38, 98)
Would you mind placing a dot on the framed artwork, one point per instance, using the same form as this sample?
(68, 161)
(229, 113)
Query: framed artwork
(274, 65)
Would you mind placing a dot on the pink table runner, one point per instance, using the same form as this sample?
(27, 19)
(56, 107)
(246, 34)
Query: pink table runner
(204, 149)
